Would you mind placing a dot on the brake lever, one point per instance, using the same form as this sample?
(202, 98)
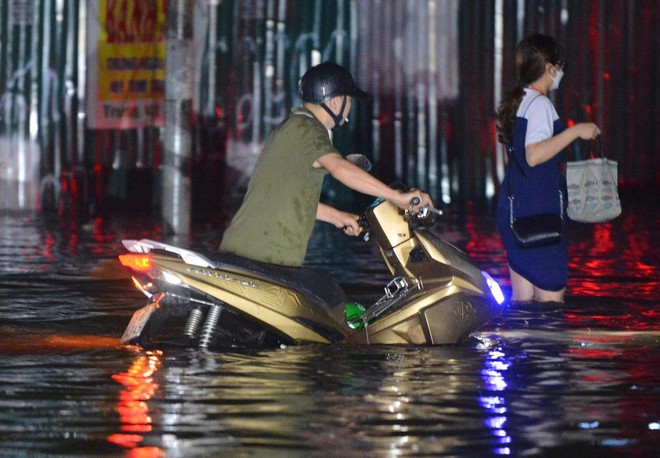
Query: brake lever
(366, 229)
(437, 211)
(415, 200)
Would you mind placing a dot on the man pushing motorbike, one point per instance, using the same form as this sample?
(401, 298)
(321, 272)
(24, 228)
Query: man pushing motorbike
(276, 219)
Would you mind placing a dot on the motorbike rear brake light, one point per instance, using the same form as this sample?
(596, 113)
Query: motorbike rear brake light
(137, 262)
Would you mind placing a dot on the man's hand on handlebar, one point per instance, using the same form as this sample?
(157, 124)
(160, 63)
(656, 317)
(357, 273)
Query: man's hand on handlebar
(413, 200)
(348, 223)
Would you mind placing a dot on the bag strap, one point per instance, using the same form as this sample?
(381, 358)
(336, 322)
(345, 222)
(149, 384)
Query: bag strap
(512, 158)
(600, 150)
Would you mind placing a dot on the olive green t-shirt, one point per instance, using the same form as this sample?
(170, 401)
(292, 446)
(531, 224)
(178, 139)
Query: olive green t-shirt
(276, 218)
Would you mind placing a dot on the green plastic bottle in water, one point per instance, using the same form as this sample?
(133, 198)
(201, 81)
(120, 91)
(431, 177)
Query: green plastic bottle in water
(353, 313)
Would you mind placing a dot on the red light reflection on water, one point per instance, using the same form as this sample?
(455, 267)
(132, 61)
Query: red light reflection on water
(627, 320)
(591, 353)
(133, 409)
(49, 244)
(609, 251)
(639, 372)
(638, 245)
(484, 245)
(594, 258)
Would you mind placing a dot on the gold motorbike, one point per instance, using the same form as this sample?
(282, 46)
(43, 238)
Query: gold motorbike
(436, 295)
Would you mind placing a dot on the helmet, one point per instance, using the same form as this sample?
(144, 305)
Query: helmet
(327, 80)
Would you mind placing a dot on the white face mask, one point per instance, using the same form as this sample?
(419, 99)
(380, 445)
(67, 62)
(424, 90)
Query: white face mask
(556, 79)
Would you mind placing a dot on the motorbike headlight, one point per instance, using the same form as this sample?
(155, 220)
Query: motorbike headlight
(494, 288)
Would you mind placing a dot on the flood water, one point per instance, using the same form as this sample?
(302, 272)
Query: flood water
(580, 379)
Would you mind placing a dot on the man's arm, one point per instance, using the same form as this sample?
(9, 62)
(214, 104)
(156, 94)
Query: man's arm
(342, 220)
(359, 180)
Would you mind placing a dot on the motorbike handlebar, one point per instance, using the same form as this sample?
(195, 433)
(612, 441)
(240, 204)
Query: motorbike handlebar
(415, 201)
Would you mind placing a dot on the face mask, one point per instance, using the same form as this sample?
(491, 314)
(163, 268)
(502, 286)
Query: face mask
(556, 79)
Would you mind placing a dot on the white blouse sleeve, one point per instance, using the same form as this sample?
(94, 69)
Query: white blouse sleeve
(541, 116)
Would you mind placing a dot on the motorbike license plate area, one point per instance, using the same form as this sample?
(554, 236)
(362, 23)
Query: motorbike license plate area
(138, 321)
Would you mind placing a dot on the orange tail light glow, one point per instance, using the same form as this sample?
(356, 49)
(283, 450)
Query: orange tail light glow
(136, 262)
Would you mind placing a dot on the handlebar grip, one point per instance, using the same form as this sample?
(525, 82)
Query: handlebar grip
(415, 201)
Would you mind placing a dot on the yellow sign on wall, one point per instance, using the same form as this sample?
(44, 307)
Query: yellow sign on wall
(129, 78)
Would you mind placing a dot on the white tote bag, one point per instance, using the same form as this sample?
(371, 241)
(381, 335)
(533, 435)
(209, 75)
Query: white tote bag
(592, 190)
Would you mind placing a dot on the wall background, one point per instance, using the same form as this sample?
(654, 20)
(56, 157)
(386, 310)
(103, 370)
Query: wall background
(436, 70)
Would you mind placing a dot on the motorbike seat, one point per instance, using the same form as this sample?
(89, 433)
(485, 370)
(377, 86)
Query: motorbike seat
(310, 282)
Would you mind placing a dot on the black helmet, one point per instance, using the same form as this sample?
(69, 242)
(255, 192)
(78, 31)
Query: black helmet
(327, 80)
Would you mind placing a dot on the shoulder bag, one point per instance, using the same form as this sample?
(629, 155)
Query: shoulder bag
(535, 230)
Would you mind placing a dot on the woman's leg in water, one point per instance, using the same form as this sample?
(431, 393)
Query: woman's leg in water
(521, 289)
(524, 291)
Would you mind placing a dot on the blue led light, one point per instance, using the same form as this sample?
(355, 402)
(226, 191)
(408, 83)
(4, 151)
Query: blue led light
(376, 202)
(495, 289)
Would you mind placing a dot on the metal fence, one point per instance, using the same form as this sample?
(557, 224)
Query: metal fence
(435, 68)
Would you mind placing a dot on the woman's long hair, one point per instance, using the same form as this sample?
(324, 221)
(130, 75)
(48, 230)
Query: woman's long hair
(532, 53)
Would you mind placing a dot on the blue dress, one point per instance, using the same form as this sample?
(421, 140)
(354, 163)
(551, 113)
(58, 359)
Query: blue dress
(538, 191)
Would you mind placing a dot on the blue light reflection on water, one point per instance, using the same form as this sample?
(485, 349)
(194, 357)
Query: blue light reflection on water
(581, 378)
(495, 366)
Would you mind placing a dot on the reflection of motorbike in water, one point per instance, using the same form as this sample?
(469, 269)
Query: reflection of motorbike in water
(381, 400)
(436, 296)
(138, 388)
